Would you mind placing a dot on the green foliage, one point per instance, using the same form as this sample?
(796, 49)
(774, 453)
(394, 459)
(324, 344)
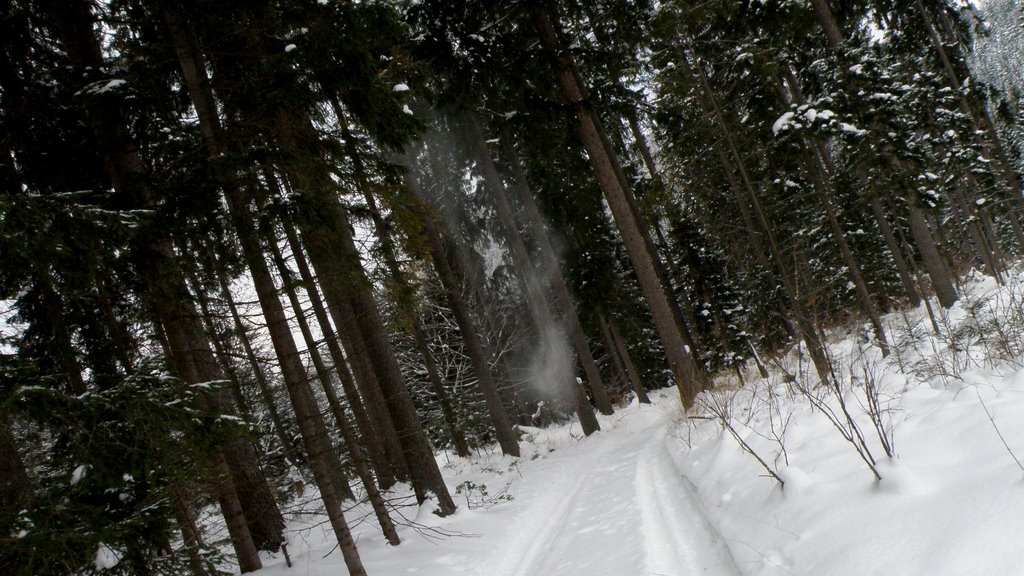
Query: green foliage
(109, 463)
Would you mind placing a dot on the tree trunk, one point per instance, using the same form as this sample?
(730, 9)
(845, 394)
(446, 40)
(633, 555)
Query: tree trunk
(551, 271)
(828, 22)
(340, 417)
(805, 324)
(191, 535)
(979, 240)
(934, 265)
(359, 356)
(618, 351)
(985, 133)
(327, 235)
(376, 436)
(906, 278)
(604, 162)
(311, 425)
(530, 283)
(15, 486)
(821, 172)
(479, 357)
(266, 394)
(162, 282)
(403, 288)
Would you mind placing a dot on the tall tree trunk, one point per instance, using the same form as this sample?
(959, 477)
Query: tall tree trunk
(821, 172)
(220, 348)
(754, 232)
(934, 265)
(906, 278)
(982, 244)
(311, 426)
(602, 158)
(550, 269)
(403, 288)
(163, 285)
(531, 284)
(67, 358)
(266, 394)
(359, 460)
(788, 279)
(371, 388)
(618, 351)
(479, 357)
(248, 509)
(375, 435)
(827, 21)
(327, 236)
(15, 486)
(191, 535)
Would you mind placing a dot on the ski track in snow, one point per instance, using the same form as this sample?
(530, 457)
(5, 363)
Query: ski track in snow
(624, 509)
(680, 539)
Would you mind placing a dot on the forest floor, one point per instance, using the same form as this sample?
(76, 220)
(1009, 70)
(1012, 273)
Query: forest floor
(659, 493)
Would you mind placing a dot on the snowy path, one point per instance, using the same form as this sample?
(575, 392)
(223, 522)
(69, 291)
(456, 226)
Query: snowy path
(620, 508)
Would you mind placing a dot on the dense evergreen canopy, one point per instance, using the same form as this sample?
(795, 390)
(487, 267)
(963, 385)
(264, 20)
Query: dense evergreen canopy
(248, 243)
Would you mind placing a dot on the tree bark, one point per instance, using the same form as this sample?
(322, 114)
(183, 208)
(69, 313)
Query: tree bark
(403, 288)
(606, 169)
(327, 236)
(359, 460)
(906, 278)
(530, 283)
(550, 270)
(162, 282)
(266, 394)
(821, 172)
(311, 426)
(15, 486)
(934, 265)
(377, 434)
(480, 358)
(805, 323)
(618, 351)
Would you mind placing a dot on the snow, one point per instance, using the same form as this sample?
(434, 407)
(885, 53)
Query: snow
(106, 557)
(401, 88)
(104, 87)
(812, 114)
(851, 129)
(290, 48)
(78, 474)
(660, 492)
(407, 110)
(783, 122)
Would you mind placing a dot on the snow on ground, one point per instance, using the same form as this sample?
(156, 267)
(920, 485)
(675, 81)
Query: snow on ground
(657, 493)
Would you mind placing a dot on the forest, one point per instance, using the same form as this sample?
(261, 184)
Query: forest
(261, 252)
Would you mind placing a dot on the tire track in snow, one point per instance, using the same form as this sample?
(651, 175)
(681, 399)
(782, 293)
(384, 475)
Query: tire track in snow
(679, 538)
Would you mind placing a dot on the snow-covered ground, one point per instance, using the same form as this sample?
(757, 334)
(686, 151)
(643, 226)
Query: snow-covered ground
(660, 493)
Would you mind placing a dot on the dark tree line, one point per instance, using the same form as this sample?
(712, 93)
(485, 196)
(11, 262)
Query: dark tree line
(244, 241)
